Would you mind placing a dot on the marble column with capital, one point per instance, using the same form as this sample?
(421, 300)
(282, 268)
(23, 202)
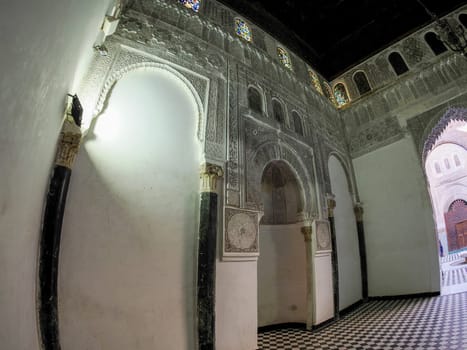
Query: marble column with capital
(358, 210)
(49, 249)
(207, 245)
(331, 204)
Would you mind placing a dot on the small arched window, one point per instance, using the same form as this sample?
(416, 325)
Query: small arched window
(243, 30)
(361, 81)
(340, 94)
(297, 123)
(397, 63)
(457, 161)
(255, 102)
(191, 4)
(437, 168)
(278, 111)
(284, 57)
(463, 19)
(435, 44)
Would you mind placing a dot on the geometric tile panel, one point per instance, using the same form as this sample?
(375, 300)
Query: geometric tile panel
(436, 323)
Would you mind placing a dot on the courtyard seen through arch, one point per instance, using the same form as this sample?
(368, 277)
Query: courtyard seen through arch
(445, 155)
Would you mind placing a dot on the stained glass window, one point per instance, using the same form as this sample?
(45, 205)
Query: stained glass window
(191, 4)
(315, 81)
(242, 29)
(340, 94)
(284, 57)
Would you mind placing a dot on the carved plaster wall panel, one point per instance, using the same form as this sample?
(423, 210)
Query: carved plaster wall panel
(323, 236)
(376, 135)
(127, 59)
(424, 125)
(263, 145)
(203, 51)
(241, 234)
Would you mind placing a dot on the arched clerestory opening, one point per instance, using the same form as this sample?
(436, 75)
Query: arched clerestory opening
(131, 217)
(282, 282)
(445, 164)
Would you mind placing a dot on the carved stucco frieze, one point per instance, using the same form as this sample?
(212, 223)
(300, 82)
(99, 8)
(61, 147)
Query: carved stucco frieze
(262, 145)
(377, 134)
(426, 128)
(153, 35)
(233, 140)
(414, 50)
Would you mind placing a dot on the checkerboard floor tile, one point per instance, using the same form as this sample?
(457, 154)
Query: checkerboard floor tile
(438, 323)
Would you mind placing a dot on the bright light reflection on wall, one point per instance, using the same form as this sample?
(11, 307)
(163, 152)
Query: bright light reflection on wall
(149, 127)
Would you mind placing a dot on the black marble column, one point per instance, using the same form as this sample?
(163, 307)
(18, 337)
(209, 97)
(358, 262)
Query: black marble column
(362, 249)
(207, 257)
(49, 254)
(335, 266)
(49, 248)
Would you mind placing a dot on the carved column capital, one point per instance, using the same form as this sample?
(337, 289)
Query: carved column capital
(307, 231)
(209, 173)
(331, 202)
(68, 143)
(358, 210)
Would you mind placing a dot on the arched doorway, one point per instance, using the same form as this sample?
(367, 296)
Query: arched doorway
(446, 171)
(456, 225)
(445, 164)
(129, 234)
(282, 282)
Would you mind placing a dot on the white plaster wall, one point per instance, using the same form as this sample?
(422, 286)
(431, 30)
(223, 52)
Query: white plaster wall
(127, 264)
(236, 305)
(323, 288)
(281, 275)
(399, 230)
(348, 254)
(44, 49)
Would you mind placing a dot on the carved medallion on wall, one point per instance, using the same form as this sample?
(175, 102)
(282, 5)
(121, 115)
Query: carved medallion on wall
(240, 234)
(323, 235)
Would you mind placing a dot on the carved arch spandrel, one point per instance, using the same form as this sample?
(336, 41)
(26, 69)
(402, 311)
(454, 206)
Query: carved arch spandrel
(270, 151)
(152, 66)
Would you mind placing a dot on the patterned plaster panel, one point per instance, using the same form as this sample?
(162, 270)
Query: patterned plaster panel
(218, 66)
(241, 234)
(375, 135)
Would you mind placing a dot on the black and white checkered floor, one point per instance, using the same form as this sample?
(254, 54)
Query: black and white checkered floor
(424, 323)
